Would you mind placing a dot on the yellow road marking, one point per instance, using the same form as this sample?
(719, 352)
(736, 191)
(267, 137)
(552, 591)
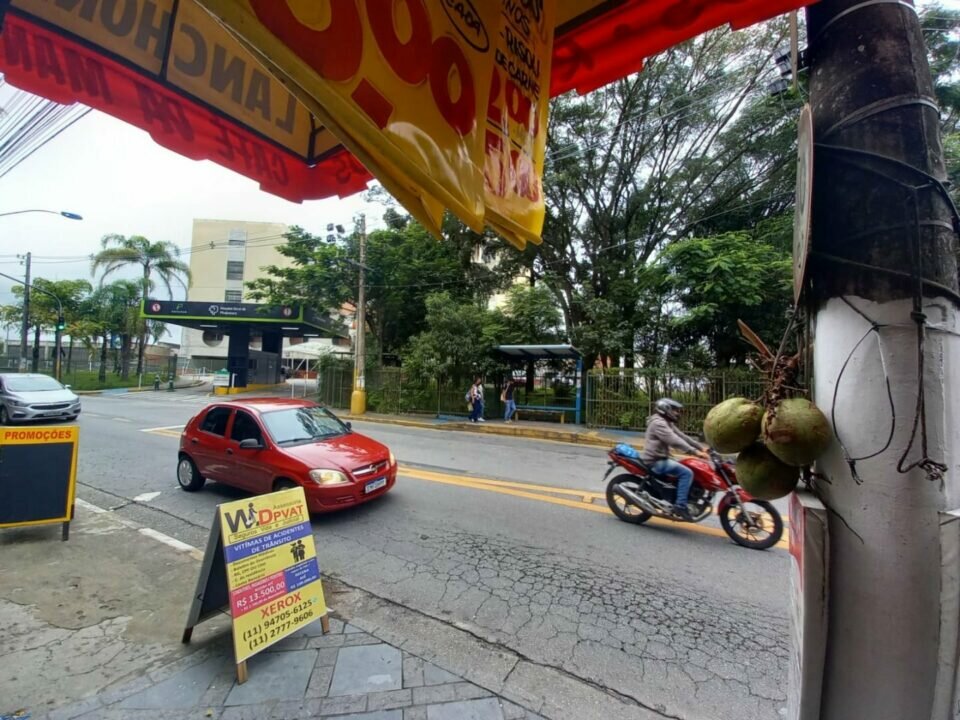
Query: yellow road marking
(504, 489)
(507, 484)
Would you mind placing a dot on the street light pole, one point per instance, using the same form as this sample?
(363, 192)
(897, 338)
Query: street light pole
(25, 325)
(358, 400)
(62, 213)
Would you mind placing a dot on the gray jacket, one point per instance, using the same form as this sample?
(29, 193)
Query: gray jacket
(663, 435)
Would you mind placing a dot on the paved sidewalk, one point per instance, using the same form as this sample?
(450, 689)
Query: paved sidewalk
(90, 628)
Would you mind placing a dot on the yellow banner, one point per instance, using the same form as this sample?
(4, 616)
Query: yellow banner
(516, 121)
(272, 570)
(444, 101)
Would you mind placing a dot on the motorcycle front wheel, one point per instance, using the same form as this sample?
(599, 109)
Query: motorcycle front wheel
(623, 508)
(755, 524)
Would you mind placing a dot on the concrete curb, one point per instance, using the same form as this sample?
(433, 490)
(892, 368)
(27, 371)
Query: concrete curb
(589, 438)
(122, 391)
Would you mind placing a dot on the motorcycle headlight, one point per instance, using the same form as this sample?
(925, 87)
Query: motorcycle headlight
(328, 477)
(393, 459)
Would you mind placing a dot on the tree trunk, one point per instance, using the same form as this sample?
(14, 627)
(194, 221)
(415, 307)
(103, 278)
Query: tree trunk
(102, 374)
(35, 365)
(126, 346)
(892, 620)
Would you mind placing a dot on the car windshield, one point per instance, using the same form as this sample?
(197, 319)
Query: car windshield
(32, 384)
(302, 424)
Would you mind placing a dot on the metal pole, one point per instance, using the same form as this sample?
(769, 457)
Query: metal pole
(358, 400)
(25, 330)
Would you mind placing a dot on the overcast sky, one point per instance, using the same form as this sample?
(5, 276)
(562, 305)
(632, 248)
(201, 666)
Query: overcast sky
(122, 182)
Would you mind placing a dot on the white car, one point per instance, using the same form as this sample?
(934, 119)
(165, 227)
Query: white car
(28, 396)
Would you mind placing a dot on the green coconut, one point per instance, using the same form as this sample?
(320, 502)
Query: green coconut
(797, 433)
(733, 425)
(762, 475)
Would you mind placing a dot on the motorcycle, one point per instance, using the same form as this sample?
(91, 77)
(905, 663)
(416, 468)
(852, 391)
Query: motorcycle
(640, 493)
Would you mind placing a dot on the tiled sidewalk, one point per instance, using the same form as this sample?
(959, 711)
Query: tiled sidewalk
(346, 674)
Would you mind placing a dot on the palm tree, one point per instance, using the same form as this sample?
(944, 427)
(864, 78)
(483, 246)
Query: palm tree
(160, 259)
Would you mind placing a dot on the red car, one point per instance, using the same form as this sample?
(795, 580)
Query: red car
(269, 444)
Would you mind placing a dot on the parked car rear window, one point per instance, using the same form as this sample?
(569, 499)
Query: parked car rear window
(302, 424)
(32, 384)
(216, 421)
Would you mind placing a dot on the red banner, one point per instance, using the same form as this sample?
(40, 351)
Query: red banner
(46, 63)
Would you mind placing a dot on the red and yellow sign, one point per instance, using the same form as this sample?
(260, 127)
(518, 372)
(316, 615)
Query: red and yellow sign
(446, 99)
(272, 571)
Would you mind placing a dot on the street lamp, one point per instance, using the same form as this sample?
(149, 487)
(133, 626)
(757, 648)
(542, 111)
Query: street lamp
(61, 323)
(64, 213)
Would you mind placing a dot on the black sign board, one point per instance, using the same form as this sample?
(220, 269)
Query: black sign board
(250, 312)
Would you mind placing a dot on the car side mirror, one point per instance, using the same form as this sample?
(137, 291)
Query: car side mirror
(349, 425)
(68, 386)
(251, 444)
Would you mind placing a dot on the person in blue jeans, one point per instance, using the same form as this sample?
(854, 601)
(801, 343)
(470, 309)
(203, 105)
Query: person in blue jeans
(510, 405)
(662, 435)
(475, 396)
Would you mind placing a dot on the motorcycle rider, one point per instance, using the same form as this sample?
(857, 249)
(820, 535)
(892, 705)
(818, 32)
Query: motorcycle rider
(663, 434)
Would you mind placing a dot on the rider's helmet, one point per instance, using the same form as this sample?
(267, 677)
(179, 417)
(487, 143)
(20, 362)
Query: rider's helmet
(668, 408)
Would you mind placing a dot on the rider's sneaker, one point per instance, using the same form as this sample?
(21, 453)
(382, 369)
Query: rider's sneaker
(480, 420)
(683, 513)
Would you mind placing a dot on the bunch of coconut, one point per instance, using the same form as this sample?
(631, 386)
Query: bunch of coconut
(771, 444)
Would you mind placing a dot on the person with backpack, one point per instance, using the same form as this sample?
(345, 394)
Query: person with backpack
(474, 398)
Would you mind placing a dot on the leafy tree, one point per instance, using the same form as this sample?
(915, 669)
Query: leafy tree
(114, 309)
(718, 280)
(160, 260)
(44, 308)
(531, 316)
(457, 341)
(404, 264)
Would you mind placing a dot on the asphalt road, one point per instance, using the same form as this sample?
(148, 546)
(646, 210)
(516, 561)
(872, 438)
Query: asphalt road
(509, 539)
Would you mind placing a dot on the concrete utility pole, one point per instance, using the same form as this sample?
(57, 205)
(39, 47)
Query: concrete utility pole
(882, 221)
(25, 326)
(358, 399)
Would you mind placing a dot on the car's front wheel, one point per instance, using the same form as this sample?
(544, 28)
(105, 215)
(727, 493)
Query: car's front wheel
(4, 415)
(188, 477)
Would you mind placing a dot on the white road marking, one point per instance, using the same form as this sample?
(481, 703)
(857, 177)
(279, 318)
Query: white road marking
(196, 553)
(120, 419)
(167, 540)
(146, 497)
(165, 427)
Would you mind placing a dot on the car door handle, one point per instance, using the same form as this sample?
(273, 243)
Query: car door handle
(229, 451)
(194, 441)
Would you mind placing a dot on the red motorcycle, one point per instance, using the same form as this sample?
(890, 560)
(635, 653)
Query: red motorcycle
(640, 493)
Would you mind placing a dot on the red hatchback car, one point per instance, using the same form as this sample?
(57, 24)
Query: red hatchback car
(269, 444)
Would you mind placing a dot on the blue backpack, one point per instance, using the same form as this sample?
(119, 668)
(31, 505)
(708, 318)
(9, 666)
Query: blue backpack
(627, 451)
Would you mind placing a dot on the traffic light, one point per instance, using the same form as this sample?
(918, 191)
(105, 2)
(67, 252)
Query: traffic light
(61, 324)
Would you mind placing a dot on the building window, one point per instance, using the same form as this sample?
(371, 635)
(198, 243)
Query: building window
(233, 296)
(235, 270)
(237, 238)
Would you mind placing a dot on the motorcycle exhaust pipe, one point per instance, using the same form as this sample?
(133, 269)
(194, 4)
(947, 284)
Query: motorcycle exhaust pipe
(637, 500)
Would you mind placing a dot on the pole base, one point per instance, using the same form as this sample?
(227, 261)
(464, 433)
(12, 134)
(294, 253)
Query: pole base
(358, 402)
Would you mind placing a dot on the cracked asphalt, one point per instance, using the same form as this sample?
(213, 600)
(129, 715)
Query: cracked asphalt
(687, 624)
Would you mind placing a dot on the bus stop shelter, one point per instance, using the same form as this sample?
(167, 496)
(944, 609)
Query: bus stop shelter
(534, 353)
(241, 323)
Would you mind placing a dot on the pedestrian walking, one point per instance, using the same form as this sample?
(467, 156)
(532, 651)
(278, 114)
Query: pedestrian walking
(509, 404)
(475, 400)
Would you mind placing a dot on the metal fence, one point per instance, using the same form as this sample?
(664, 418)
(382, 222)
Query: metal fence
(622, 398)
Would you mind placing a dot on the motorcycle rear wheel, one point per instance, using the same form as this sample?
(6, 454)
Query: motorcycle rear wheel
(763, 530)
(623, 508)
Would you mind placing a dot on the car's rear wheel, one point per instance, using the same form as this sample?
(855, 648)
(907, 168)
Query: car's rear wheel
(188, 477)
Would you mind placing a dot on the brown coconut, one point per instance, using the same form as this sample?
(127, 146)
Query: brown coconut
(762, 475)
(797, 433)
(733, 425)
